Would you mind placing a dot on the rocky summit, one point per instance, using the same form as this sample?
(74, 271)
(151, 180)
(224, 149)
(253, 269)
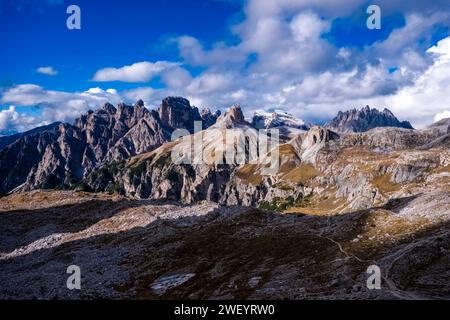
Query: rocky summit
(7, 140)
(62, 155)
(276, 119)
(115, 195)
(365, 119)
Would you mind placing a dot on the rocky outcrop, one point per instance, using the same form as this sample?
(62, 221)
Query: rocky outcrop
(177, 113)
(389, 138)
(362, 169)
(126, 150)
(277, 119)
(384, 162)
(20, 157)
(440, 127)
(7, 140)
(318, 135)
(163, 174)
(209, 118)
(232, 118)
(65, 156)
(365, 119)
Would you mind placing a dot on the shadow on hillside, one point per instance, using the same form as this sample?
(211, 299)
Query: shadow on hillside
(395, 205)
(232, 256)
(22, 227)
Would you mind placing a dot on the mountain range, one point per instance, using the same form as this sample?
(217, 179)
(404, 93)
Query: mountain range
(365, 119)
(65, 155)
(106, 193)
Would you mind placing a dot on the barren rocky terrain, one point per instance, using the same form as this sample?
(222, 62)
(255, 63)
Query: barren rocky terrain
(143, 249)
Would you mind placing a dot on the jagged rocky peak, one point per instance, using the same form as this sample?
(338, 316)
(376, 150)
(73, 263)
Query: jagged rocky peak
(108, 115)
(231, 118)
(318, 135)
(177, 113)
(140, 103)
(365, 119)
(7, 140)
(235, 113)
(64, 156)
(266, 120)
(109, 108)
(442, 126)
(209, 118)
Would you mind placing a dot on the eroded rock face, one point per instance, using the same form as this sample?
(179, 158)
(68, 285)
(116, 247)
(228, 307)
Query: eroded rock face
(146, 135)
(365, 119)
(318, 135)
(209, 118)
(390, 138)
(20, 157)
(62, 161)
(442, 126)
(231, 118)
(7, 140)
(126, 150)
(177, 113)
(277, 119)
(363, 170)
(64, 156)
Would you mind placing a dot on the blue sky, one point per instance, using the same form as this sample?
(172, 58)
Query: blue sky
(310, 58)
(113, 33)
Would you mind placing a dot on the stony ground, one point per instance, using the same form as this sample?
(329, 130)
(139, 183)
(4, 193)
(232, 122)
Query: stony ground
(142, 249)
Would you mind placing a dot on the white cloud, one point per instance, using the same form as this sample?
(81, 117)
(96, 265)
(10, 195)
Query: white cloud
(6, 117)
(295, 68)
(193, 53)
(442, 115)
(151, 97)
(137, 72)
(307, 26)
(50, 71)
(422, 102)
(12, 121)
(53, 105)
(176, 78)
(210, 82)
(280, 59)
(34, 95)
(429, 93)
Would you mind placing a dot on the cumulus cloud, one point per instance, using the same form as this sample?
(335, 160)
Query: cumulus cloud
(137, 72)
(442, 115)
(220, 56)
(429, 93)
(34, 95)
(12, 121)
(52, 105)
(281, 58)
(50, 71)
(425, 100)
(7, 116)
(294, 67)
